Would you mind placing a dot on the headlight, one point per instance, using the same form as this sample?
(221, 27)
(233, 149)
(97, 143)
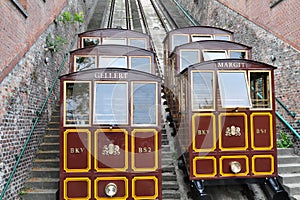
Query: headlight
(111, 189)
(235, 167)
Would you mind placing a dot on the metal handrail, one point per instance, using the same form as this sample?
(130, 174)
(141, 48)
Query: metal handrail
(288, 125)
(285, 108)
(35, 120)
(194, 22)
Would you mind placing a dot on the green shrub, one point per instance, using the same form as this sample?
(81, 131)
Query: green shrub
(284, 141)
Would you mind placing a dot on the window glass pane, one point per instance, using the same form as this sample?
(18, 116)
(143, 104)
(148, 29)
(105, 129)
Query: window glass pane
(222, 37)
(90, 42)
(77, 102)
(119, 62)
(233, 89)
(84, 63)
(141, 43)
(203, 96)
(188, 58)
(179, 40)
(111, 104)
(144, 103)
(120, 41)
(201, 37)
(211, 55)
(237, 54)
(260, 89)
(141, 63)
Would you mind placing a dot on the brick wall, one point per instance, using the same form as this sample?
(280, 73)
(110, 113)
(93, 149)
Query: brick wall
(282, 19)
(265, 43)
(26, 76)
(18, 32)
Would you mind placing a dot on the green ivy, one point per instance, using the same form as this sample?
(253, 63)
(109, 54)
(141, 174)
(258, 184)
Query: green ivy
(78, 17)
(56, 43)
(284, 141)
(67, 17)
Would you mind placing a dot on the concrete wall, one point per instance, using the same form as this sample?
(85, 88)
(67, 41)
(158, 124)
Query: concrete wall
(27, 71)
(265, 43)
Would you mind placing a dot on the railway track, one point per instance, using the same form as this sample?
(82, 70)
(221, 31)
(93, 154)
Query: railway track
(156, 18)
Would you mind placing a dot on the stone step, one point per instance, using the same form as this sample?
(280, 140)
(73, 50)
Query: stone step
(53, 131)
(45, 172)
(43, 183)
(168, 176)
(165, 147)
(53, 124)
(38, 194)
(170, 194)
(285, 151)
(56, 117)
(49, 146)
(167, 154)
(44, 163)
(290, 178)
(287, 159)
(167, 168)
(167, 161)
(170, 185)
(51, 139)
(292, 188)
(289, 168)
(56, 111)
(54, 154)
(295, 197)
(165, 141)
(164, 136)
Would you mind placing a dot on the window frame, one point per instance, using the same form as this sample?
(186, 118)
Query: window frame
(150, 63)
(233, 50)
(213, 90)
(90, 37)
(269, 87)
(229, 36)
(132, 103)
(142, 39)
(65, 102)
(85, 56)
(246, 85)
(105, 39)
(214, 50)
(187, 50)
(173, 40)
(105, 56)
(201, 35)
(95, 99)
(20, 7)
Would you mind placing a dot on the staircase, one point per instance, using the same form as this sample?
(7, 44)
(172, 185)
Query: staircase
(289, 171)
(169, 180)
(44, 178)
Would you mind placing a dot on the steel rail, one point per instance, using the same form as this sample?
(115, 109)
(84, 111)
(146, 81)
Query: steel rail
(168, 16)
(36, 120)
(160, 17)
(111, 13)
(128, 22)
(143, 15)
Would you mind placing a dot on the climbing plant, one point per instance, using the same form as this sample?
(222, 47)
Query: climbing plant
(284, 141)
